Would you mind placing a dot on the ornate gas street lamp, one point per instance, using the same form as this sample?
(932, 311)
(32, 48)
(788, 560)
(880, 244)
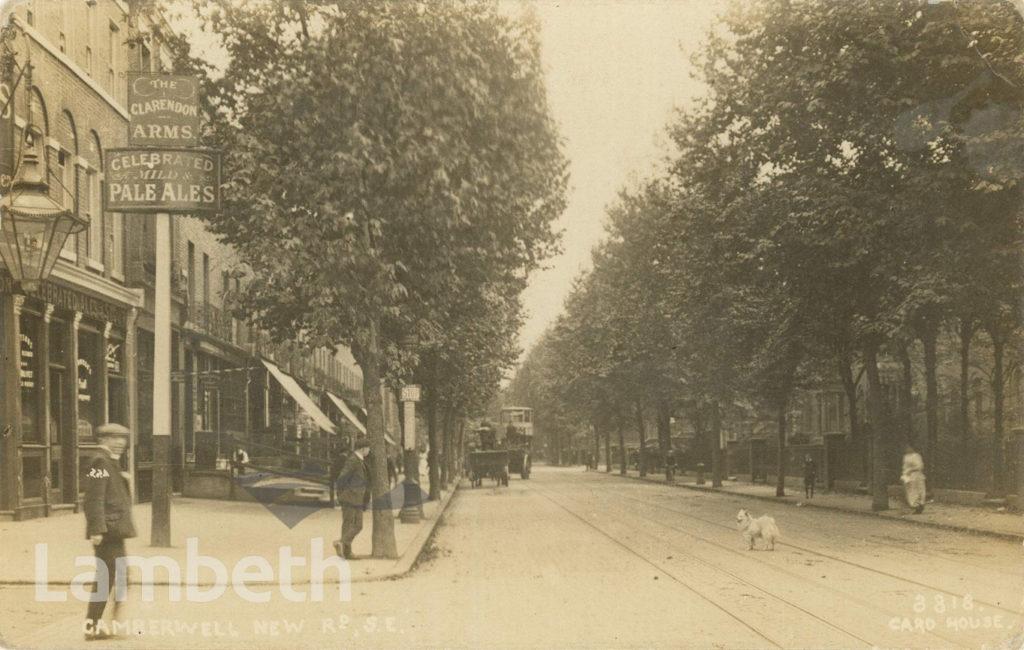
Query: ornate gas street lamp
(33, 227)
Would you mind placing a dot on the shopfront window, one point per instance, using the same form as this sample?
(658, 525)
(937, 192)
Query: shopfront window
(58, 342)
(60, 386)
(59, 390)
(90, 394)
(117, 409)
(29, 380)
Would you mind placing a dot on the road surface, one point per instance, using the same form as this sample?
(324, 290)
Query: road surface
(584, 559)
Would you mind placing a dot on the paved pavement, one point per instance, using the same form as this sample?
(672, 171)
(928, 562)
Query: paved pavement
(985, 521)
(229, 531)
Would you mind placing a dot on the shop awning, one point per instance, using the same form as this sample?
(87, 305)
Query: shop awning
(301, 398)
(347, 412)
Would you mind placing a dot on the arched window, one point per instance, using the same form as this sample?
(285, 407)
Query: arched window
(92, 204)
(63, 174)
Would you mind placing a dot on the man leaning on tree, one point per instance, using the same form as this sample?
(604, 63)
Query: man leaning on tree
(354, 495)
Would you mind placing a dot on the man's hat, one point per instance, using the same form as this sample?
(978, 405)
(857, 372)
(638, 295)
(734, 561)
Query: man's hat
(112, 429)
(361, 441)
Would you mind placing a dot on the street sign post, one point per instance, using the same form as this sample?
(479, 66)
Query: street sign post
(411, 393)
(158, 176)
(412, 509)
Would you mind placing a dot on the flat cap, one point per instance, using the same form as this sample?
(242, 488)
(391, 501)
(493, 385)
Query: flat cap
(112, 429)
(361, 441)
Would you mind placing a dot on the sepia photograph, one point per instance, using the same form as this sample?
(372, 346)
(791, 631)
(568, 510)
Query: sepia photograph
(517, 324)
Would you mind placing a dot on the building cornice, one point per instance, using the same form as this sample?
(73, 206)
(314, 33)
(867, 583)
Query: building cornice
(96, 285)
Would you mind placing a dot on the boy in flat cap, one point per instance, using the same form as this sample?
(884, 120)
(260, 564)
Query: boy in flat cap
(354, 494)
(108, 520)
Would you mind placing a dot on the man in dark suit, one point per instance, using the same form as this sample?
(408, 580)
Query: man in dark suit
(354, 495)
(108, 519)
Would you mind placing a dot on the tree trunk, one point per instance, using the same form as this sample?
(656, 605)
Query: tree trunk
(597, 448)
(383, 521)
(845, 363)
(780, 481)
(929, 338)
(446, 445)
(433, 441)
(998, 348)
(879, 475)
(716, 446)
(642, 431)
(556, 446)
(453, 458)
(607, 450)
(700, 435)
(622, 450)
(906, 415)
(966, 334)
(665, 436)
(461, 446)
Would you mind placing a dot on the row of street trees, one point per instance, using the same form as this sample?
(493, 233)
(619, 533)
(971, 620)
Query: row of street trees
(392, 173)
(848, 190)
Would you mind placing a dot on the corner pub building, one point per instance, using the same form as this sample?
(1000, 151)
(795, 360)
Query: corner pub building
(69, 346)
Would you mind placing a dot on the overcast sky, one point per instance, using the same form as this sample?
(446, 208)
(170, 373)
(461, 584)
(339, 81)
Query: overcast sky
(615, 71)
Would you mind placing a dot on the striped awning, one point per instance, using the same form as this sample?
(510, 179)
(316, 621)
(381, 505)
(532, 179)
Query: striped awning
(304, 401)
(347, 412)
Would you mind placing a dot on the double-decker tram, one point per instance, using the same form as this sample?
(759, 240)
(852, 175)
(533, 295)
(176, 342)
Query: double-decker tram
(516, 431)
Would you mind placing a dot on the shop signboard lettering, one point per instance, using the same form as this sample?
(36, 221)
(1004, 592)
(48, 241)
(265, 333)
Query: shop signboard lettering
(163, 110)
(84, 429)
(71, 300)
(84, 373)
(165, 180)
(27, 373)
(113, 358)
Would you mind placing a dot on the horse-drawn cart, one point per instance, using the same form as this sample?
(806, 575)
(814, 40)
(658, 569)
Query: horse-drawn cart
(489, 464)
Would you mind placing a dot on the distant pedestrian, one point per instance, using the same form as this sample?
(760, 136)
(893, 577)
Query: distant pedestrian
(108, 522)
(354, 495)
(392, 471)
(810, 476)
(241, 460)
(913, 479)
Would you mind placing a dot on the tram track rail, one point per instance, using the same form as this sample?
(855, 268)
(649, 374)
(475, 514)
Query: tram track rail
(717, 546)
(828, 556)
(728, 611)
(875, 541)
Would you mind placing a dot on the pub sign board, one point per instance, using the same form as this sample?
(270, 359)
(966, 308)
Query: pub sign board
(183, 181)
(163, 110)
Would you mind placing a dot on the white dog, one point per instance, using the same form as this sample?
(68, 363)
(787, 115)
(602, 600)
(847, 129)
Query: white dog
(763, 527)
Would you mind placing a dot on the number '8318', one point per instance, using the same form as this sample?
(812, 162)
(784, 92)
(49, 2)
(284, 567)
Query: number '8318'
(940, 603)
